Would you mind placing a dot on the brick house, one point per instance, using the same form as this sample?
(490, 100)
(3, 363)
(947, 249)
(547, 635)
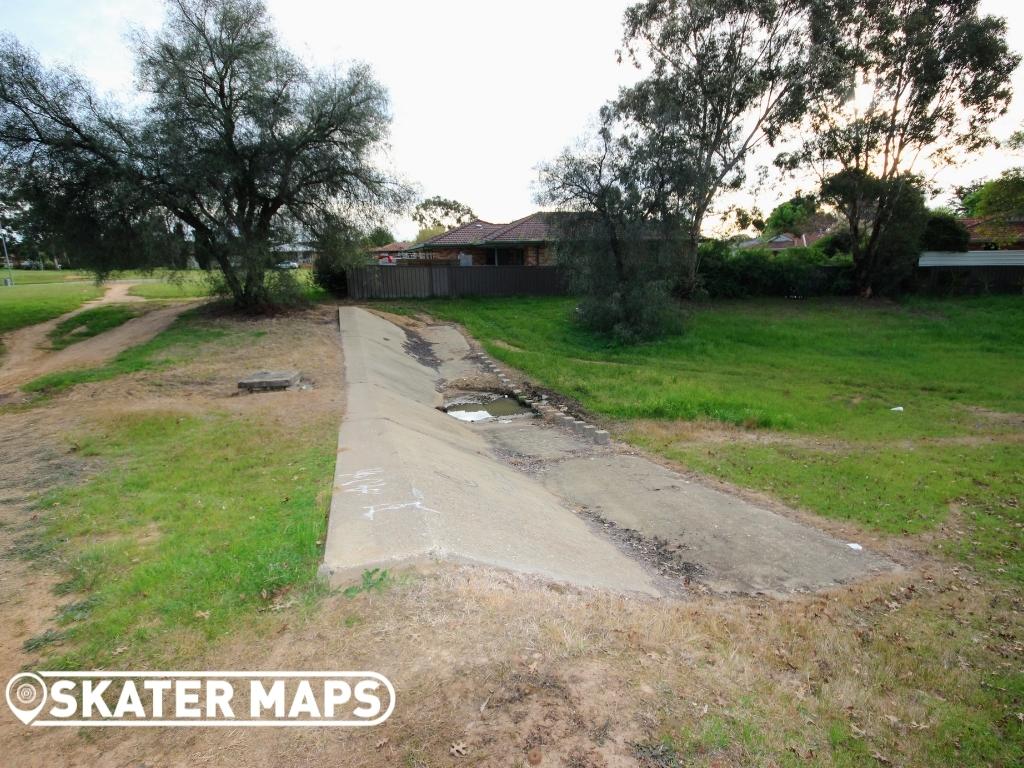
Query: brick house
(524, 242)
(989, 235)
(784, 240)
(392, 252)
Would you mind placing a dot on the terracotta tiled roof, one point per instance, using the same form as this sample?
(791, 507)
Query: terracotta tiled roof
(529, 229)
(784, 240)
(392, 247)
(534, 228)
(474, 233)
(1013, 228)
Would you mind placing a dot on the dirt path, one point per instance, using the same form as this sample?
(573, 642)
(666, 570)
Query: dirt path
(28, 358)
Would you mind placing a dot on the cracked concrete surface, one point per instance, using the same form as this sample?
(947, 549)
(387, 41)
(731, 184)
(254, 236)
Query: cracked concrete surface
(413, 484)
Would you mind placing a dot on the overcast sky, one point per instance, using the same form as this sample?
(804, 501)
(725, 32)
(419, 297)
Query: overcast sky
(481, 91)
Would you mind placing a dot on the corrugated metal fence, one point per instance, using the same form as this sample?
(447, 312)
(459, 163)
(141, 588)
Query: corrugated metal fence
(400, 282)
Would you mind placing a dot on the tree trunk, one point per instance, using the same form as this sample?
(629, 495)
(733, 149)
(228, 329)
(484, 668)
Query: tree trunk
(690, 253)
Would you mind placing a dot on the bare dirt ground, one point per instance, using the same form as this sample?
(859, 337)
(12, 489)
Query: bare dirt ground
(513, 670)
(28, 357)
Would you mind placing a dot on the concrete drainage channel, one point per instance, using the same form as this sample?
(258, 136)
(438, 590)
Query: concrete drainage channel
(515, 482)
(545, 409)
(483, 406)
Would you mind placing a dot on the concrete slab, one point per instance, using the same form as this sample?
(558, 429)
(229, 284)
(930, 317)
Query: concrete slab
(742, 547)
(533, 440)
(412, 483)
(269, 380)
(452, 351)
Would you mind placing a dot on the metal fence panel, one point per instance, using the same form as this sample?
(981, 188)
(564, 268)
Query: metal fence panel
(420, 282)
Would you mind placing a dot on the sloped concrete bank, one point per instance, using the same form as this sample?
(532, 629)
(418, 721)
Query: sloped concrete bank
(413, 484)
(537, 495)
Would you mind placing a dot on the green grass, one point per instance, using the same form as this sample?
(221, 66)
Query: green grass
(91, 322)
(824, 375)
(197, 284)
(197, 524)
(23, 305)
(39, 276)
(176, 344)
(183, 285)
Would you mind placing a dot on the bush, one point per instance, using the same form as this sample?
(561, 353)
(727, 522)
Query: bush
(340, 248)
(284, 288)
(835, 244)
(796, 272)
(942, 232)
(635, 313)
(329, 274)
(626, 281)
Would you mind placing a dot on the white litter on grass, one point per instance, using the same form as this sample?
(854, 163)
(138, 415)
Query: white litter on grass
(855, 546)
(897, 409)
(470, 415)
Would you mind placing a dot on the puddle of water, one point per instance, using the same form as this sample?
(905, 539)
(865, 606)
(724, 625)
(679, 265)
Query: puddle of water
(466, 409)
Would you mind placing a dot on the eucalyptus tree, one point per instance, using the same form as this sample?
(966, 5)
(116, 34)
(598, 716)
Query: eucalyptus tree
(921, 82)
(619, 257)
(233, 136)
(722, 78)
(441, 213)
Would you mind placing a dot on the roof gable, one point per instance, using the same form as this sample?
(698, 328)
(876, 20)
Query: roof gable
(473, 233)
(529, 229)
(534, 228)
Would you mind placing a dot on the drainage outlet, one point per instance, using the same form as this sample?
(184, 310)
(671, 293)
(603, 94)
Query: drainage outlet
(483, 408)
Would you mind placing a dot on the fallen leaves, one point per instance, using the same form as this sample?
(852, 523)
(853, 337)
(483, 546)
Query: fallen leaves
(458, 749)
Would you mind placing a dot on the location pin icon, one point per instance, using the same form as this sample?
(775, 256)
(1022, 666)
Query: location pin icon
(26, 695)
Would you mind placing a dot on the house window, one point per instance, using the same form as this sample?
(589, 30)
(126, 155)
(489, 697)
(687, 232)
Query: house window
(511, 257)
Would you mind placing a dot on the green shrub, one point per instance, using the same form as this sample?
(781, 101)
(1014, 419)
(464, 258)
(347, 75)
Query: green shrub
(636, 312)
(329, 274)
(835, 244)
(943, 232)
(625, 282)
(284, 288)
(727, 272)
(341, 247)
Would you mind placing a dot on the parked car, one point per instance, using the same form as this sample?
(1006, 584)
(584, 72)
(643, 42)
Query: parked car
(288, 265)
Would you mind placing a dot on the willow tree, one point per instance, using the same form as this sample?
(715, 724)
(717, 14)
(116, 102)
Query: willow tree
(233, 136)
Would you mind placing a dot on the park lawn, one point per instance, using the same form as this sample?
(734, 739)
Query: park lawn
(91, 322)
(39, 276)
(197, 284)
(22, 305)
(182, 285)
(186, 535)
(816, 380)
(201, 520)
(172, 347)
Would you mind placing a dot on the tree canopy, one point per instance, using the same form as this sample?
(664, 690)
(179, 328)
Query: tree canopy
(921, 79)
(998, 202)
(235, 139)
(724, 78)
(442, 213)
(797, 216)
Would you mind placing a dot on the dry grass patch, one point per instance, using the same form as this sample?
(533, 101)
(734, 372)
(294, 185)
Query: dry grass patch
(919, 669)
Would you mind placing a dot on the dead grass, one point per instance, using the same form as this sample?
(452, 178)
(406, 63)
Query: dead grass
(906, 668)
(914, 669)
